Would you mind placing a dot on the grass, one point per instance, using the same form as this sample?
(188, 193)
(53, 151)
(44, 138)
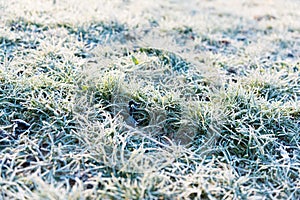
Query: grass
(215, 87)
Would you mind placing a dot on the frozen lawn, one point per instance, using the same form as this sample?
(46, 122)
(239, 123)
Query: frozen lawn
(155, 99)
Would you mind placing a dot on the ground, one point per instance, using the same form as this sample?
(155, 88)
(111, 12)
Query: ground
(149, 99)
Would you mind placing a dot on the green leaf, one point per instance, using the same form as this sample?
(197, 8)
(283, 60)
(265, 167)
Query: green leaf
(134, 60)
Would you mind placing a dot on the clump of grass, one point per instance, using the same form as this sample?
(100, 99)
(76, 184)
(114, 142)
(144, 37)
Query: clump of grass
(107, 88)
(253, 125)
(173, 116)
(97, 32)
(7, 48)
(273, 85)
(175, 62)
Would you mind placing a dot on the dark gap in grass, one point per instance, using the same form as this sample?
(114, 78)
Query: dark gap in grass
(23, 25)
